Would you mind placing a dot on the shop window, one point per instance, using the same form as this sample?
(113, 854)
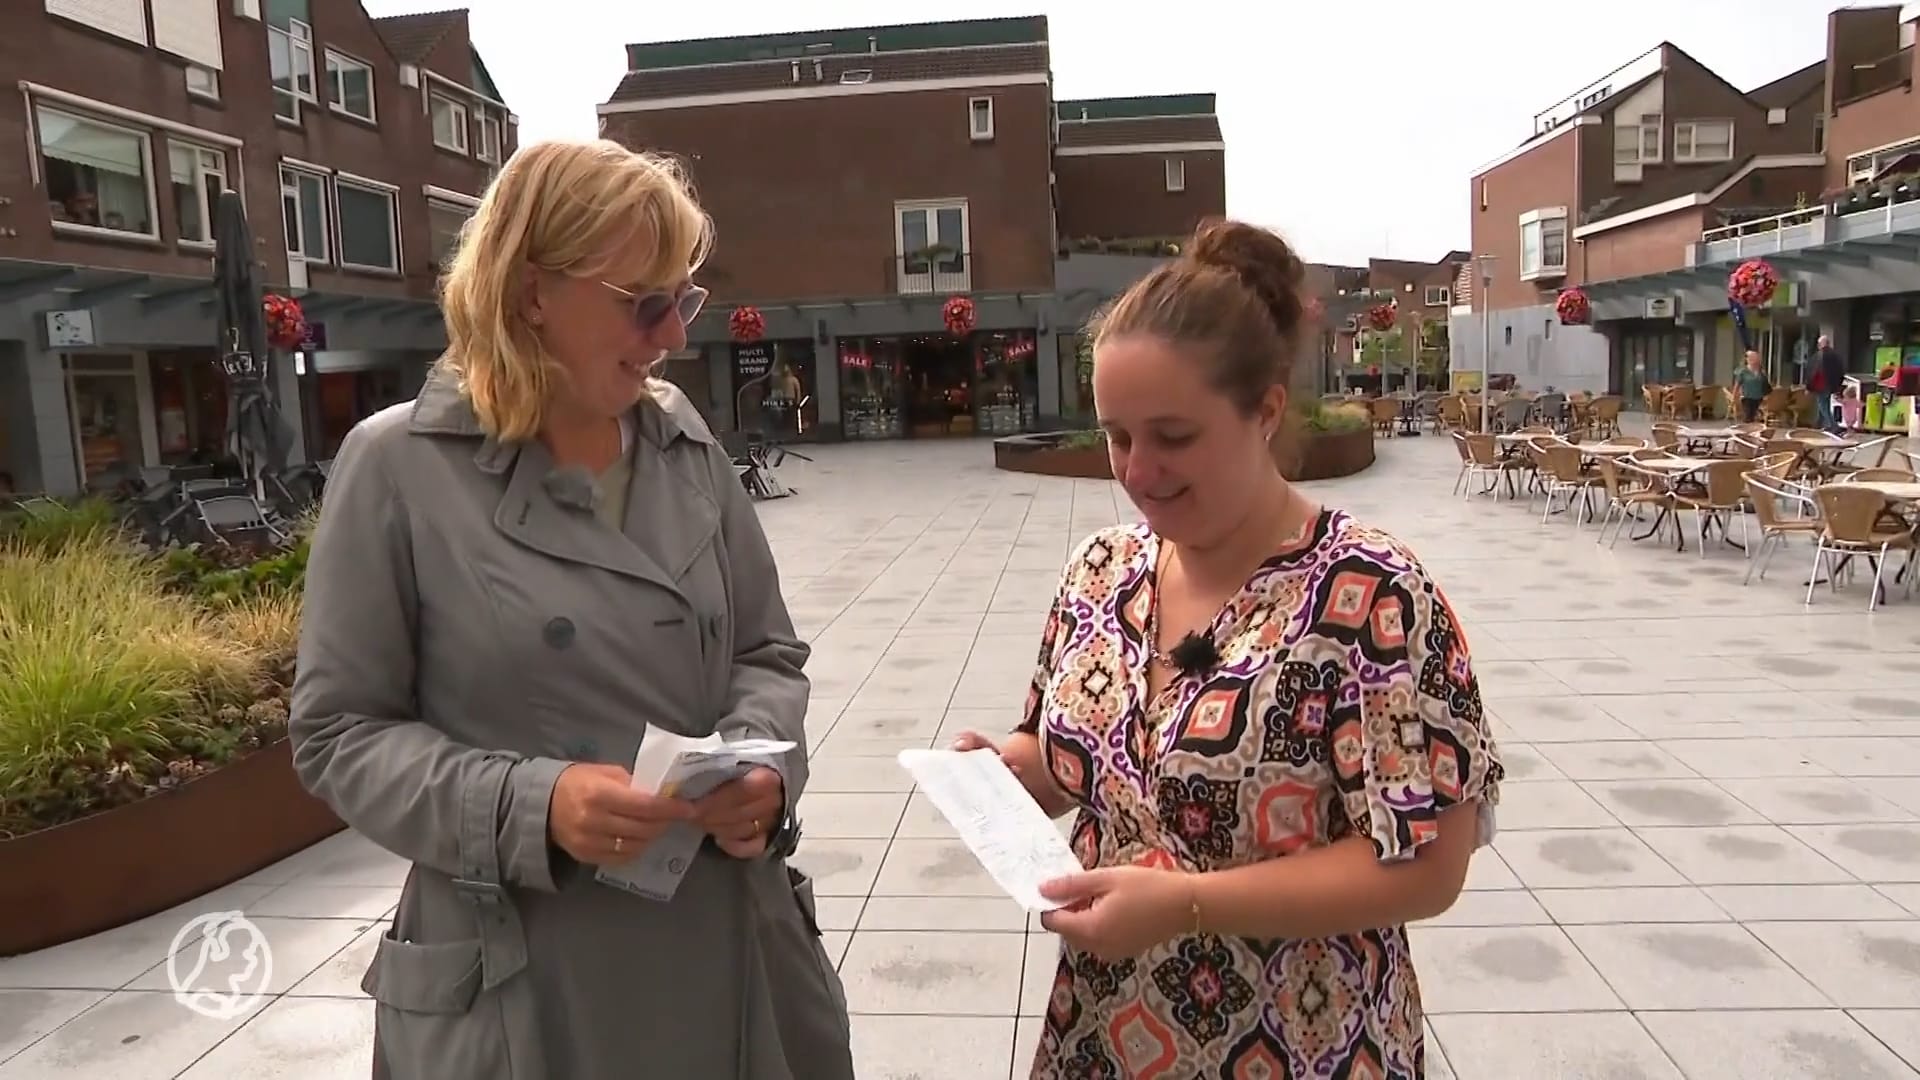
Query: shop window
(1006, 383)
(98, 175)
(774, 384)
(104, 395)
(342, 399)
(870, 388)
(189, 406)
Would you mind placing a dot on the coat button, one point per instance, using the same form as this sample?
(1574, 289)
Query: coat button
(558, 633)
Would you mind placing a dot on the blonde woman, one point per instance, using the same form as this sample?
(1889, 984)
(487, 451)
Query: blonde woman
(514, 577)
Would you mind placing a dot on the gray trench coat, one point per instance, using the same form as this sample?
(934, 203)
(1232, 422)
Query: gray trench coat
(467, 635)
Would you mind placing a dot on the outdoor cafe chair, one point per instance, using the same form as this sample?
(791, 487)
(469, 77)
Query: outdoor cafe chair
(1852, 524)
(1772, 500)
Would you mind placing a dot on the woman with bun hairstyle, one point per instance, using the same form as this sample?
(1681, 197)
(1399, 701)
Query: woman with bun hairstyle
(1261, 709)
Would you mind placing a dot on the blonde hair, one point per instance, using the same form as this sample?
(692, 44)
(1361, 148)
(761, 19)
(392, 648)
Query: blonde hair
(558, 206)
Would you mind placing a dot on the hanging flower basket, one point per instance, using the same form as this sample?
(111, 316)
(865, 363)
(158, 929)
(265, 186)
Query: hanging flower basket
(286, 326)
(746, 324)
(958, 314)
(1382, 317)
(1573, 307)
(1752, 283)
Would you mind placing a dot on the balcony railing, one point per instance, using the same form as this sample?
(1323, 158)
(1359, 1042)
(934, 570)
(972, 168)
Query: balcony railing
(933, 272)
(1863, 212)
(1766, 236)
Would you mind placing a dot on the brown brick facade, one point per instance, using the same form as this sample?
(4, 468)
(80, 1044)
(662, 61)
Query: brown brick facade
(803, 192)
(1544, 176)
(1117, 196)
(397, 149)
(1644, 247)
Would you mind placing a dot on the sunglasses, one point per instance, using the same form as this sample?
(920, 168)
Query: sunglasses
(650, 309)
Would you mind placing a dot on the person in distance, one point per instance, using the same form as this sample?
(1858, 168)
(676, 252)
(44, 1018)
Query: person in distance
(513, 578)
(1261, 708)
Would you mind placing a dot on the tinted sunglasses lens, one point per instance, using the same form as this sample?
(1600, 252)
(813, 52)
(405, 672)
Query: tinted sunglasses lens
(650, 309)
(691, 302)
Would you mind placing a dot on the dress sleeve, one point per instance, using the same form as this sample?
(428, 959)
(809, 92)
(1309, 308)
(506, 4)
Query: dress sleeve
(1414, 739)
(1043, 667)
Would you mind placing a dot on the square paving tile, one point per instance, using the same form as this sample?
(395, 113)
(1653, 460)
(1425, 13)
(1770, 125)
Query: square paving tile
(1563, 1046)
(1505, 969)
(1761, 1045)
(1860, 965)
(1693, 966)
(934, 973)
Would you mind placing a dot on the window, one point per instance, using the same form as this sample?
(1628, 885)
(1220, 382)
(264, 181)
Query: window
(290, 58)
(303, 207)
(488, 127)
(203, 82)
(350, 86)
(1438, 296)
(1543, 244)
(931, 241)
(980, 118)
(444, 222)
(199, 176)
(1864, 167)
(1776, 117)
(449, 123)
(1703, 140)
(369, 233)
(99, 176)
(1176, 174)
(1637, 143)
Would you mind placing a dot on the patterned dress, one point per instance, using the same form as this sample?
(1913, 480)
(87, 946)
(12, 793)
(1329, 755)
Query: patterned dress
(1344, 704)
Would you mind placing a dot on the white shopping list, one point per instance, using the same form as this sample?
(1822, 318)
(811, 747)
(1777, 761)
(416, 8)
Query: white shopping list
(1000, 823)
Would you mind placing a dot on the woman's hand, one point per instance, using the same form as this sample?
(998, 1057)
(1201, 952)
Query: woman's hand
(741, 813)
(1117, 912)
(596, 816)
(1021, 753)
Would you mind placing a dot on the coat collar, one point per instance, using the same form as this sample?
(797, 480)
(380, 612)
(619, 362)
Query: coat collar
(443, 408)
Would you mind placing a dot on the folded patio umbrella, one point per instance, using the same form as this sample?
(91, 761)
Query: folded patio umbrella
(255, 431)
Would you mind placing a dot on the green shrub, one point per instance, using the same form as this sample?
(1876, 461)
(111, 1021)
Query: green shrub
(1083, 440)
(110, 681)
(49, 525)
(1322, 419)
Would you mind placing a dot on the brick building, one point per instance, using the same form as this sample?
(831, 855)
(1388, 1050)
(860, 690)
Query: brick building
(861, 178)
(1617, 180)
(1839, 224)
(359, 146)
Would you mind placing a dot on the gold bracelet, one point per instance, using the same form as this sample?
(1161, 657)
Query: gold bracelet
(1193, 901)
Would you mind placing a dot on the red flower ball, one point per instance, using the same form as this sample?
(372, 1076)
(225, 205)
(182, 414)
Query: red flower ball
(746, 324)
(286, 325)
(958, 314)
(1753, 283)
(1382, 317)
(1573, 307)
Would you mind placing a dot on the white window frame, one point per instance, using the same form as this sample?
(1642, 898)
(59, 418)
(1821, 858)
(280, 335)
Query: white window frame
(202, 82)
(980, 119)
(1444, 294)
(1686, 135)
(940, 281)
(487, 127)
(146, 162)
(462, 136)
(1537, 225)
(1646, 135)
(438, 206)
(336, 93)
(298, 41)
(201, 174)
(362, 185)
(1176, 169)
(290, 178)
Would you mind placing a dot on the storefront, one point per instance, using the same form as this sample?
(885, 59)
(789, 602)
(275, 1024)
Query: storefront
(775, 388)
(340, 388)
(936, 385)
(190, 405)
(115, 433)
(1651, 352)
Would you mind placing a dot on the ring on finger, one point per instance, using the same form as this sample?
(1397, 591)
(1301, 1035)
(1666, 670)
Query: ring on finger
(619, 844)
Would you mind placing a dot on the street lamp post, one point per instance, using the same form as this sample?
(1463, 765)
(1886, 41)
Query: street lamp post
(1486, 333)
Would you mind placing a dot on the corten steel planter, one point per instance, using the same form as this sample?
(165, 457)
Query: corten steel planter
(123, 864)
(1316, 457)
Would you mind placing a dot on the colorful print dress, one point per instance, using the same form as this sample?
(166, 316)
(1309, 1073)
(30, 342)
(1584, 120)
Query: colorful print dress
(1344, 704)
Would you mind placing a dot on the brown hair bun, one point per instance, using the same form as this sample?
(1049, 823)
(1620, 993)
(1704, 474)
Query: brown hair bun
(1262, 261)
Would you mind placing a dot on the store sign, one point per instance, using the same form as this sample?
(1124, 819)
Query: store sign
(315, 339)
(751, 361)
(70, 329)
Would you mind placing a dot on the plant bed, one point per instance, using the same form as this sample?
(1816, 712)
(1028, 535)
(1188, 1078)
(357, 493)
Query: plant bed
(143, 857)
(1326, 443)
(143, 712)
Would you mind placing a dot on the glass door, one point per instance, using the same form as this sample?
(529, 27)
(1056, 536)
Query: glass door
(106, 427)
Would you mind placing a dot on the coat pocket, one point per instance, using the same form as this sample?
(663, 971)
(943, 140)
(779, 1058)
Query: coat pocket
(430, 1019)
(814, 1026)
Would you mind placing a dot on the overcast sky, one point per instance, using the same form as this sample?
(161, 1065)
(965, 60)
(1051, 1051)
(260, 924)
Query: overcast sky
(1352, 127)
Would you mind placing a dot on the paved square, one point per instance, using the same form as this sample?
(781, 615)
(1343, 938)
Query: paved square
(1709, 865)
